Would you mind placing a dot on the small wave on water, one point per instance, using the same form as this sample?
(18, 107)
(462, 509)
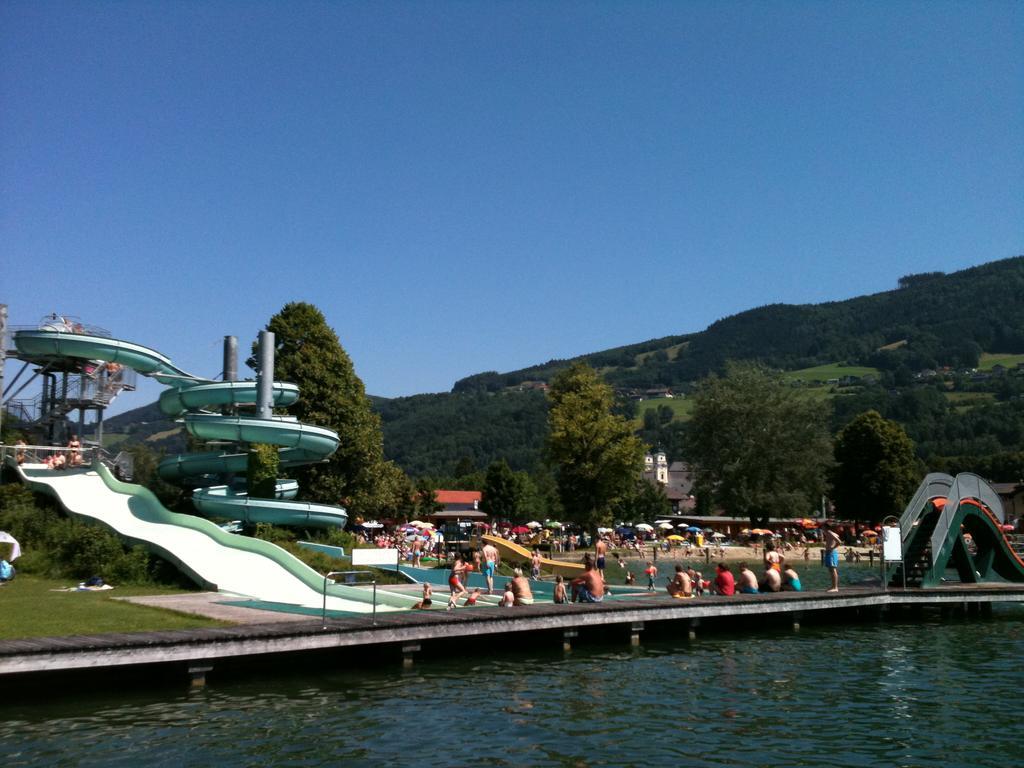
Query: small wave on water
(900, 694)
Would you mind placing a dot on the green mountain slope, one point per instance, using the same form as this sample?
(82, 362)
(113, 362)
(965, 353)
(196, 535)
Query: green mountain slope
(930, 321)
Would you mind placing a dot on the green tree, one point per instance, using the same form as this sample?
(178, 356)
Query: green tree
(426, 498)
(308, 353)
(503, 492)
(596, 456)
(758, 445)
(262, 470)
(876, 470)
(646, 503)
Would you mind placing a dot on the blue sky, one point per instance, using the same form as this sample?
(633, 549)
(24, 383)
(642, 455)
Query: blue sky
(467, 186)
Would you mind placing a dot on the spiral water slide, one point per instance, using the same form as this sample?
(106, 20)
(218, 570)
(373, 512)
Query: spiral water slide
(235, 564)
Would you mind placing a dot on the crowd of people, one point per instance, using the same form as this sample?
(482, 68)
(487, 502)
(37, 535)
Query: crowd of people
(776, 575)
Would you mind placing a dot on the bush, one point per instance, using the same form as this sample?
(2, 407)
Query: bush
(59, 547)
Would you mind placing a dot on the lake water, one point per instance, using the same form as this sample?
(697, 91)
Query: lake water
(928, 693)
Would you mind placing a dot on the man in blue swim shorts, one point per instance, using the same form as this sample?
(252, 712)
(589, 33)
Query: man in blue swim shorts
(832, 542)
(588, 588)
(491, 558)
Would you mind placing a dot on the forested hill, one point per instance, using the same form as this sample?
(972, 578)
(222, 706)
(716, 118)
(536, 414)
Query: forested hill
(929, 321)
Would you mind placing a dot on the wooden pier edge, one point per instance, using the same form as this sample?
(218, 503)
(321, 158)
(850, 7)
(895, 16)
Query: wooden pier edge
(200, 649)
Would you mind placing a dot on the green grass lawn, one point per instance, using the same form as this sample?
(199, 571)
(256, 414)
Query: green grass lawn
(989, 361)
(682, 408)
(830, 371)
(29, 608)
(964, 401)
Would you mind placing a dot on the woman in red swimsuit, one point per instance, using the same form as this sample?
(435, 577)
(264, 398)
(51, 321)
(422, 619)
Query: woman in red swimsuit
(455, 581)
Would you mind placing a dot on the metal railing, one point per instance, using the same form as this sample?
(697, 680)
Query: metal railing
(47, 454)
(351, 577)
(63, 324)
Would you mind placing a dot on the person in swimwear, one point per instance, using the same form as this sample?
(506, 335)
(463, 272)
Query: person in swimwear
(426, 602)
(491, 560)
(602, 549)
(831, 555)
(588, 588)
(520, 587)
(680, 585)
(772, 558)
(560, 596)
(473, 596)
(748, 581)
(456, 581)
(791, 580)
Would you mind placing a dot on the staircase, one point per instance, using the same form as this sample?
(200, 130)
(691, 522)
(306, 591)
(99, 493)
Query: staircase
(918, 557)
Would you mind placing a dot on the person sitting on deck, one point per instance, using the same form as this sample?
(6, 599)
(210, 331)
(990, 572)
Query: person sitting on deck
(680, 585)
(748, 581)
(560, 596)
(520, 587)
(772, 581)
(588, 588)
(725, 584)
(790, 580)
(508, 599)
(426, 602)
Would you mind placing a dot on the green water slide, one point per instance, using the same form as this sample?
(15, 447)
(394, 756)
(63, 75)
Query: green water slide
(958, 523)
(187, 397)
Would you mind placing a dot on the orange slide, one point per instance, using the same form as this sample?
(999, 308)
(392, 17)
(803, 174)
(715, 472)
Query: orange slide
(516, 553)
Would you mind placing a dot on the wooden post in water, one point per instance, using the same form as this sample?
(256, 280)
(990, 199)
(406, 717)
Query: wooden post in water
(567, 636)
(634, 632)
(691, 628)
(408, 649)
(796, 616)
(197, 674)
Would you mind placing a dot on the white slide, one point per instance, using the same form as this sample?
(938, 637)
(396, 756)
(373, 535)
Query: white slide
(235, 565)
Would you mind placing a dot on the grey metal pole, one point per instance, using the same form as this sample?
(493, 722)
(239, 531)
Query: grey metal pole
(3, 354)
(265, 376)
(230, 372)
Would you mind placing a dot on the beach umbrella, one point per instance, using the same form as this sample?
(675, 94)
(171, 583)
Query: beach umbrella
(666, 526)
(675, 537)
(372, 524)
(683, 525)
(533, 524)
(717, 535)
(694, 529)
(604, 530)
(868, 533)
(761, 532)
(644, 527)
(552, 524)
(520, 529)
(481, 524)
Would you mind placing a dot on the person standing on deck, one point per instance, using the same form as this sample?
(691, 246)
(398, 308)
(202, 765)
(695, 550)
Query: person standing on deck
(601, 548)
(491, 560)
(832, 542)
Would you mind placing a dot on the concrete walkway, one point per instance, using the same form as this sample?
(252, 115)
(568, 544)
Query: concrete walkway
(213, 605)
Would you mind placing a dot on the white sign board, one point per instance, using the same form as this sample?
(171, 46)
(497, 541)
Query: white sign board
(375, 556)
(892, 544)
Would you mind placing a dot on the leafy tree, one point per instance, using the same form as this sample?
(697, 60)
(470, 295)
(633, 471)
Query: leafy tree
(262, 471)
(876, 470)
(426, 498)
(596, 456)
(503, 491)
(645, 503)
(308, 353)
(757, 445)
